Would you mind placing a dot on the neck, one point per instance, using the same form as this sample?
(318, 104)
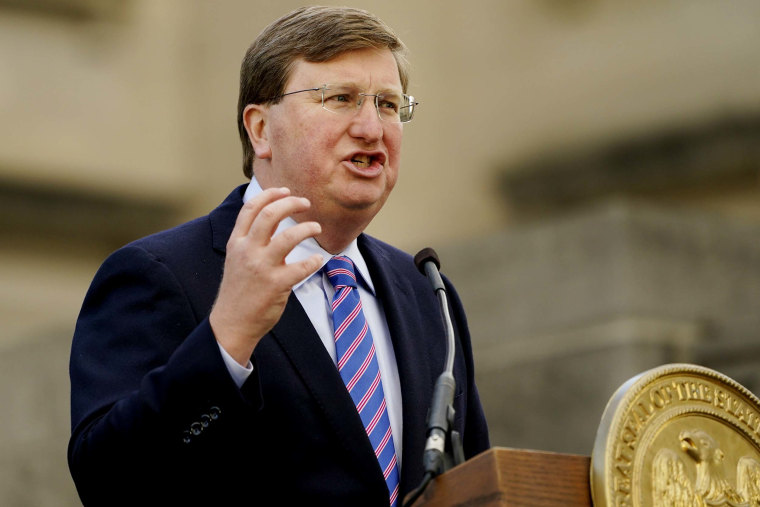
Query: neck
(336, 239)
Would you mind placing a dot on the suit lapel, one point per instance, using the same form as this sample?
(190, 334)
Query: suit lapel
(300, 342)
(222, 218)
(414, 331)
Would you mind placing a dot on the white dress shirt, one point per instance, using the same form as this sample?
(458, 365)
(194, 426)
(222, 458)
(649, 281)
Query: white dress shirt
(315, 294)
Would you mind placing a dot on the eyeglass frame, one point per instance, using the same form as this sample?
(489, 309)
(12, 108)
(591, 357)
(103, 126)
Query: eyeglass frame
(412, 104)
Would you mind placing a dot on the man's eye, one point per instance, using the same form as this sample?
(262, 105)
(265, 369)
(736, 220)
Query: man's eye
(391, 101)
(389, 104)
(342, 97)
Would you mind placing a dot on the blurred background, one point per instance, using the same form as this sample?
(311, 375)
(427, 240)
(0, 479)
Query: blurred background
(588, 171)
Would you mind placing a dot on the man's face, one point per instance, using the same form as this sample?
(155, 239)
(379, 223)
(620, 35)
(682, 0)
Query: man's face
(346, 165)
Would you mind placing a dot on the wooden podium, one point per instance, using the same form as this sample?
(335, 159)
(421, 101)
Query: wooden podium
(511, 477)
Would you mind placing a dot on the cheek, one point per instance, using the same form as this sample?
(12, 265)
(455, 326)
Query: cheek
(393, 145)
(296, 135)
(390, 181)
(316, 143)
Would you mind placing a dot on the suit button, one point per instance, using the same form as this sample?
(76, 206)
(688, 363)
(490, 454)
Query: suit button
(214, 412)
(196, 428)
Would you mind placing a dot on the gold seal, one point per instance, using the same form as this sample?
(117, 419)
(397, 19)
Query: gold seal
(678, 435)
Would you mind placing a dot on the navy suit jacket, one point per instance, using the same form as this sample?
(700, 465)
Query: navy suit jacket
(157, 419)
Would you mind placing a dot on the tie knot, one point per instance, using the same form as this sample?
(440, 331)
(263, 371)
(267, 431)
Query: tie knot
(340, 271)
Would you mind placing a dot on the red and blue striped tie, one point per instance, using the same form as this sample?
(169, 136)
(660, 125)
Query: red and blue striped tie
(358, 367)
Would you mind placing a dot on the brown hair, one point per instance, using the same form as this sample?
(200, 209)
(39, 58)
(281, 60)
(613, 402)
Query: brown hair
(316, 34)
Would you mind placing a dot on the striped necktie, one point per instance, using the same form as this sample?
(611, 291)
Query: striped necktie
(358, 367)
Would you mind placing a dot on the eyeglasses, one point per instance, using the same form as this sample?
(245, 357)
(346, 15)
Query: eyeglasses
(343, 99)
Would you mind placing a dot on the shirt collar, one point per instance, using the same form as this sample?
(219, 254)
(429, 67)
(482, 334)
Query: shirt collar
(309, 246)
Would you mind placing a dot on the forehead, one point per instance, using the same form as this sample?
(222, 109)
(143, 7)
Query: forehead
(367, 68)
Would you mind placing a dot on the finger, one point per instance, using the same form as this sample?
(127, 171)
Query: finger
(253, 207)
(298, 271)
(266, 222)
(285, 241)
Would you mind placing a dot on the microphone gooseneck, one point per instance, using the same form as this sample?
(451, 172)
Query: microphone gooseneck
(428, 264)
(439, 432)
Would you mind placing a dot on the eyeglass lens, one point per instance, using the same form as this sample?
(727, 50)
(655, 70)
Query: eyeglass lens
(391, 107)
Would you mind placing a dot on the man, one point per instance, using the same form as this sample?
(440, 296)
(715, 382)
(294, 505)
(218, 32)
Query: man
(203, 365)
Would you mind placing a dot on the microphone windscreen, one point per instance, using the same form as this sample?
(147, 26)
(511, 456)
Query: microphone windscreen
(425, 255)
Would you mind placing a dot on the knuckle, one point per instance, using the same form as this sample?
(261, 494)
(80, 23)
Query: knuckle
(267, 212)
(251, 206)
(232, 243)
(289, 235)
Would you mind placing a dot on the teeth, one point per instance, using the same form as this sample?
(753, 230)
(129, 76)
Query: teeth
(362, 160)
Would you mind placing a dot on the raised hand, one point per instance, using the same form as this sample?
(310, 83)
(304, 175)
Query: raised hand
(256, 281)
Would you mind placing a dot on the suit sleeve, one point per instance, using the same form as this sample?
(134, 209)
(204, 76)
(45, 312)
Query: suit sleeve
(151, 399)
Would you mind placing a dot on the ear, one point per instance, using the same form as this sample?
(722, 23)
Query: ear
(255, 121)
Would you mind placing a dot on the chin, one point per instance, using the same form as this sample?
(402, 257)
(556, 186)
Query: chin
(368, 206)
(365, 206)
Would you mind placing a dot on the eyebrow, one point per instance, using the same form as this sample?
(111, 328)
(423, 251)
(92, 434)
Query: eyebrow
(358, 87)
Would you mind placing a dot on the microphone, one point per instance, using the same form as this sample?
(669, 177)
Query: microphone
(441, 415)
(428, 264)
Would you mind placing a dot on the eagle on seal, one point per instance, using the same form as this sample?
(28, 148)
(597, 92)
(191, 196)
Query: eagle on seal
(671, 487)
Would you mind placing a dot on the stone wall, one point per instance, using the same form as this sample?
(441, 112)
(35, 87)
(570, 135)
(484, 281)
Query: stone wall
(562, 312)
(34, 417)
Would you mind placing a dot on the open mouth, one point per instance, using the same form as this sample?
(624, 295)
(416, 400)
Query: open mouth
(361, 160)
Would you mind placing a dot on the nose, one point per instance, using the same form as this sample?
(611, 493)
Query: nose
(366, 123)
